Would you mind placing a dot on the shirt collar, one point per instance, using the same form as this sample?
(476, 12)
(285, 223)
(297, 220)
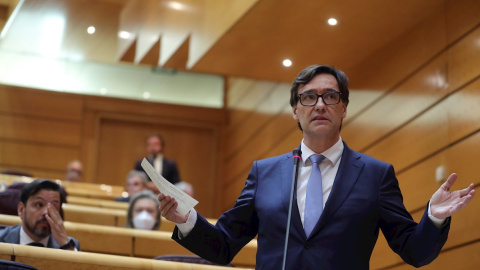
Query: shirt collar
(333, 154)
(25, 239)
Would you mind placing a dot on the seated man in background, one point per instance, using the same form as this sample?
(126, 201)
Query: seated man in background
(136, 182)
(42, 225)
(74, 171)
(143, 211)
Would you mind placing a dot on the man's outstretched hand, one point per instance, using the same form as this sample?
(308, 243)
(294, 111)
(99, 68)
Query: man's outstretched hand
(445, 203)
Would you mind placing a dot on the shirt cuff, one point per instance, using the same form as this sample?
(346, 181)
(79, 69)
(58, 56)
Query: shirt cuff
(437, 221)
(185, 228)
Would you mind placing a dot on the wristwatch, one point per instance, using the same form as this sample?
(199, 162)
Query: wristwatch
(69, 245)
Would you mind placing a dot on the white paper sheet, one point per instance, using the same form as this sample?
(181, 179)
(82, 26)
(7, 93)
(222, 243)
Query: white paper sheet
(185, 202)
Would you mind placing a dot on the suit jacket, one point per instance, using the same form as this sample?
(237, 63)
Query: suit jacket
(365, 198)
(12, 235)
(169, 169)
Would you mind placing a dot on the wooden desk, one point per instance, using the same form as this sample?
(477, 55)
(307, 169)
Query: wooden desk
(97, 202)
(94, 215)
(46, 258)
(132, 242)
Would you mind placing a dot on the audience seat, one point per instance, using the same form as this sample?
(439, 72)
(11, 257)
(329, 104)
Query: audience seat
(16, 172)
(9, 200)
(10, 265)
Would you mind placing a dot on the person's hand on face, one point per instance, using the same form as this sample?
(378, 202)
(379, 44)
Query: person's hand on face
(56, 225)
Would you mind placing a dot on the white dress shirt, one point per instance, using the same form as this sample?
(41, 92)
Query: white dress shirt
(158, 163)
(25, 239)
(328, 167)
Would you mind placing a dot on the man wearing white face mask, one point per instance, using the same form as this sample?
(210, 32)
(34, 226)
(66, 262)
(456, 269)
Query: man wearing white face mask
(143, 212)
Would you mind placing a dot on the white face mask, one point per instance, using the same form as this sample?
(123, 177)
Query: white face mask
(143, 221)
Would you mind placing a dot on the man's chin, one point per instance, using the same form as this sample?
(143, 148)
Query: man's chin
(42, 231)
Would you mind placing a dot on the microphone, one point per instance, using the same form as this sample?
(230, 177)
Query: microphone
(297, 156)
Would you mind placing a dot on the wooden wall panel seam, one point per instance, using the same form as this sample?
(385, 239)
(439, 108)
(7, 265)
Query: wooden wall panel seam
(253, 135)
(419, 114)
(28, 168)
(258, 157)
(40, 117)
(63, 146)
(258, 104)
(411, 74)
(474, 241)
(445, 147)
(152, 119)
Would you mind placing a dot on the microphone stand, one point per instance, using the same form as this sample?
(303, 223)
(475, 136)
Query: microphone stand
(296, 159)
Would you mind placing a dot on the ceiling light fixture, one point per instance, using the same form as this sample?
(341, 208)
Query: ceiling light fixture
(287, 62)
(124, 34)
(146, 95)
(91, 30)
(332, 21)
(176, 5)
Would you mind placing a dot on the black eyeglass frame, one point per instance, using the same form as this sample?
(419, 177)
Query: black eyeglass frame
(320, 96)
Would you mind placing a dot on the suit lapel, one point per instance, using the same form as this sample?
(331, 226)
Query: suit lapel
(347, 175)
(286, 166)
(287, 177)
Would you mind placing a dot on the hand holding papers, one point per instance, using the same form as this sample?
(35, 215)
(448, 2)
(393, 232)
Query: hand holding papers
(185, 202)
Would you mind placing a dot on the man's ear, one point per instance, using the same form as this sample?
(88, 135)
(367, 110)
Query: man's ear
(294, 113)
(344, 111)
(21, 210)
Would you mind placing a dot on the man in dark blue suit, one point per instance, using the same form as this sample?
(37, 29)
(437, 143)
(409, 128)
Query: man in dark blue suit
(358, 196)
(165, 167)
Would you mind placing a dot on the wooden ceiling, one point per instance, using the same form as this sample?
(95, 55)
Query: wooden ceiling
(242, 38)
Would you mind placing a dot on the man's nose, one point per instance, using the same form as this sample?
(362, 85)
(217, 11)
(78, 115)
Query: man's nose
(45, 209)
(320, 104)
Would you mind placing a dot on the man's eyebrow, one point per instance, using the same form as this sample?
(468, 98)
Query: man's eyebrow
(43, 199)
(38, 198)
(321, 89)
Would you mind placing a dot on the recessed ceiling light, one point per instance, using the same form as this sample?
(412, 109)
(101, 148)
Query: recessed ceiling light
(146, 95)
(287, 62)
(124, 34)
(176, 5)
(332, 21)
(91, 30)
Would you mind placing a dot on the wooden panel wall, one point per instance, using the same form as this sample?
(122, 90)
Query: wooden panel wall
(415, 104)
(41, 131)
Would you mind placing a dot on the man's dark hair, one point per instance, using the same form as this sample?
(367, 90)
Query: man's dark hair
(40, 184)
(162, 141)
(306, 75)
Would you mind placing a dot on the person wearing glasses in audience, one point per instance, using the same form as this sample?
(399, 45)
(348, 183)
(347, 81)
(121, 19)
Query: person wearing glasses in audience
(342, 198)
(39, 209)
(136, 182)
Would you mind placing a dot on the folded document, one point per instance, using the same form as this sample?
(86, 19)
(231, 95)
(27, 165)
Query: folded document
(185, 202)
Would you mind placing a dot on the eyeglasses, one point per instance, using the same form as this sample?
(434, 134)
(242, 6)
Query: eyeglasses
(310, 99)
